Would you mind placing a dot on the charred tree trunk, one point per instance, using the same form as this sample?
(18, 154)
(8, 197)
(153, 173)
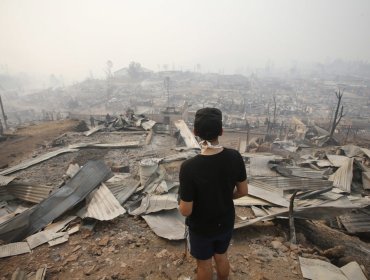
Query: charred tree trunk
(327, 238)
(292, 235)
(338, 115)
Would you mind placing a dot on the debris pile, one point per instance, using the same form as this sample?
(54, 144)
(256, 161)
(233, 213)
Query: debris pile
(326, 184)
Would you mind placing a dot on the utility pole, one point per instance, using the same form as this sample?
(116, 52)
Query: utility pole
(3, 113)
(167, 87)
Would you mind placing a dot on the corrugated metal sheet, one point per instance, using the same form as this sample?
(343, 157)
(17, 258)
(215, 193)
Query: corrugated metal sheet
(356, 222)
(122, 187)
(13, 249)
(248, 200)
(167, 224)
(366, 152)
(351, 150)
(156, 203)
(283, 185)
(342, 178)
(305, 172)
(186, 134)
(95, 129)
(42, 237)
(4, 194)
(128, 144)
(59, 225)
(31, 193)
(102, 205)
(259, 167)
(324, 163)
(337, 160)
(366, 180)
(5, 180)
(37, 160)
(268, 195)
(148, 124)
(179, 156)
(37, 217)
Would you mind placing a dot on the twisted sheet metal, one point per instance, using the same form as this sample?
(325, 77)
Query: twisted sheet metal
(31, 193)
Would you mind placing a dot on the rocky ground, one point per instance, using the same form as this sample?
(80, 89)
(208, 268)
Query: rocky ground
(126, 248)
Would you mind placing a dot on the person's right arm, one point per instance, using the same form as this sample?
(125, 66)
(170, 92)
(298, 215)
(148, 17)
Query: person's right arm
(185, 208)
(241, 189)
(185, 193)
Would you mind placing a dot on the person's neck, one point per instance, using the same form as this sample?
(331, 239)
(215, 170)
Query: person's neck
(213, 151)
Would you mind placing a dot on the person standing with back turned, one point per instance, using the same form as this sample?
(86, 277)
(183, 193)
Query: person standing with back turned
(208, 184)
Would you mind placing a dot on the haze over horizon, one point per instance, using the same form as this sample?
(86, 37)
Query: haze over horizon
(72, 38)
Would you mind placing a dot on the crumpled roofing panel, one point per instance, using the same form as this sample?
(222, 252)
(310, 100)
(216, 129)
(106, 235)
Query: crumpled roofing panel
(102, 205)
(342, 178)
(37, 217)
(167, 224)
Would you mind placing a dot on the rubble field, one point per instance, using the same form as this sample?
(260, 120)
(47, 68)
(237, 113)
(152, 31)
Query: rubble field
(95, 245)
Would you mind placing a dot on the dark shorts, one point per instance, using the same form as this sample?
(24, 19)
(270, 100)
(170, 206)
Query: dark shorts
(203, 248)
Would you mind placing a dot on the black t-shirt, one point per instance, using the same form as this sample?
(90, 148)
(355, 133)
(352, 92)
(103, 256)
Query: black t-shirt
(209, 181)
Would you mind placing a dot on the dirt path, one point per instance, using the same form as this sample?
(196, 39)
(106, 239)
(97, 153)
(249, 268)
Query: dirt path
(25, 140)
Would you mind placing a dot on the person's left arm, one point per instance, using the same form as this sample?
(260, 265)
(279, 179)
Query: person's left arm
(241, 189)
(241, 185)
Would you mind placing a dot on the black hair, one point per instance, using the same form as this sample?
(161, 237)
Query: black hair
(208, 123)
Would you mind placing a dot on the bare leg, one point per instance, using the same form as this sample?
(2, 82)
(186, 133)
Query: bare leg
(204, 269)
(222, 266)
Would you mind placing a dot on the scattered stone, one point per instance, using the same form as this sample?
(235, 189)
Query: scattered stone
(276, 244)
(284, 248)
(182, 277)
(55, 257)
(178, 262)
(109, 261)
(95, 250)
(71, 258)
(111, 249)
(293, 255)
(104, 240)
(244, 270)
(162, 254)
(89, 269)
(293, 247)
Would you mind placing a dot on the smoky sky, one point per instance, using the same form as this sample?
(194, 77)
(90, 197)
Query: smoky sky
(76, 37)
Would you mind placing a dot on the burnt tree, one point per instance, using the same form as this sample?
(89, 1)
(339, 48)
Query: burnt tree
(338, 115)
